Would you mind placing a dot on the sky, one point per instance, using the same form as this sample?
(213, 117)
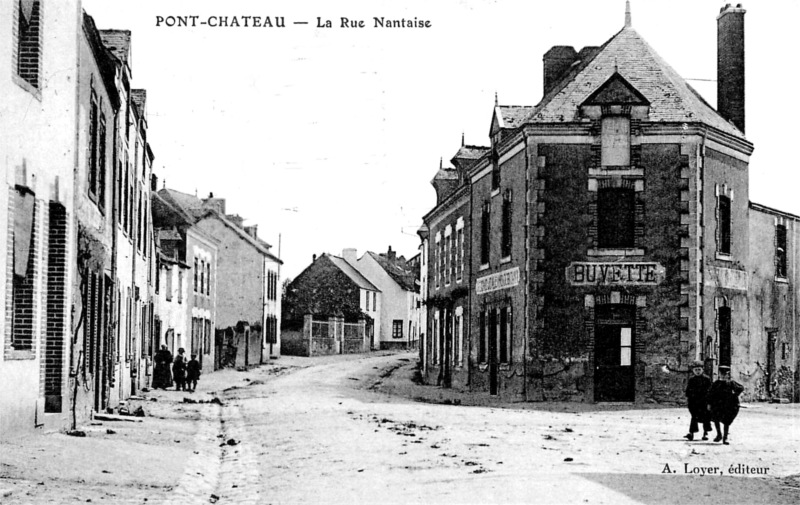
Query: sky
(328, 138)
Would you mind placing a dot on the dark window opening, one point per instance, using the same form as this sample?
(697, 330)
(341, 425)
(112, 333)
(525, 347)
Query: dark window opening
(780, 251)
(724, 328)
(485, 231)
(482, 340)
(505, 245)
(724, 225)
(495, 170)
(616, 217)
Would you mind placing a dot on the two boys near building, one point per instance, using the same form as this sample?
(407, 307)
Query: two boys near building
(717, 402)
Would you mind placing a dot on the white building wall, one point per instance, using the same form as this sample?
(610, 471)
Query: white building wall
(37, 150)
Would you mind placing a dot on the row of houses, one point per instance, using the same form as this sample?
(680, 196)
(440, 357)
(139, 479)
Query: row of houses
(380, 291)
(604, 240)
(100, 267)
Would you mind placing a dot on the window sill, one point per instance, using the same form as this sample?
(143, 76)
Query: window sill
(483, 267)
(495, 192)
(30, 88)
(615, 252)
(724, 256)
(505, 260)
(782, 280)
(14, 354)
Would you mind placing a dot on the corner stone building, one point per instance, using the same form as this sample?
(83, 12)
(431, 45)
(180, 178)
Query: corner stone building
(608, 239)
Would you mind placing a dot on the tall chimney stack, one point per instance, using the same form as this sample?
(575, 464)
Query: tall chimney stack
(556, 64)
(730, 64)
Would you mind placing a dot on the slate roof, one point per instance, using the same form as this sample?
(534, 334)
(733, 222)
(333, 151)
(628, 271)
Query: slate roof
(351, 272)
(191, 205)
(118, 42)
(512, 116)
(397, 270)
(471, 152)
(671, 98)
(139, 97)
(446, 173)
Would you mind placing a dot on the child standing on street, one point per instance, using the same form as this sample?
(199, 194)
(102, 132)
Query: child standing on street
(193, 373)
(697, 396)
(723, 402)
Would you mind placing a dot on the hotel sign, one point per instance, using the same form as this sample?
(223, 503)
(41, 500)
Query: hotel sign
(615, 274)
(495, 282)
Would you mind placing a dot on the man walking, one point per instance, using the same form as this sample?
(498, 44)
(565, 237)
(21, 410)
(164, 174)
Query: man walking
(697, 397)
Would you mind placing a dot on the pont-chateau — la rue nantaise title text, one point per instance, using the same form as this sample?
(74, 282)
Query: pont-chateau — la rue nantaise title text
(193, 21)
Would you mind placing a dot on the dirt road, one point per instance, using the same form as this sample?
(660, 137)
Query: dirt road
(326, 434)
(346, 429)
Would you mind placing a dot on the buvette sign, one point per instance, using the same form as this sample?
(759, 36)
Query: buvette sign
(591, 274)
(495, 282)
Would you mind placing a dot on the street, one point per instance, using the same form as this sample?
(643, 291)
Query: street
(346, 429)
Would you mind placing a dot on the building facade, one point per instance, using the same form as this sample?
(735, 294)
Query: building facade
(331, 287)
(37, 209)
(396, 325)
(609, 238)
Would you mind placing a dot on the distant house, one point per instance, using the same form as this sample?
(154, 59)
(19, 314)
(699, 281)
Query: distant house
(247, 302)
(188, 266)
(332, 287)
(397, 279)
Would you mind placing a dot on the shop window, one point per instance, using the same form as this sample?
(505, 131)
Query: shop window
(616, 217)
(616, 141)
(505, 335)
(29, 41)
(780, 251)
(458, 351)
(724, 224)
(485, 232)
(397, 328)
(482, 339)
(505, 244)
(724, 332)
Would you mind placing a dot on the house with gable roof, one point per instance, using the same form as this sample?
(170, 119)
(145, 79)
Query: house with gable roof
(397, 327)
(247, 281)
(330, 289)
(187, 275)
(610, 239)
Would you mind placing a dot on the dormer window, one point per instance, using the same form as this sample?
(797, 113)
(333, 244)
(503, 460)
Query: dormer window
(616, 141)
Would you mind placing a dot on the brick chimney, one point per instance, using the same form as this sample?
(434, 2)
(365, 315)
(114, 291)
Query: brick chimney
(730, 64)
(391, 254)
(217, 204)
(350, 255)
(556, 63)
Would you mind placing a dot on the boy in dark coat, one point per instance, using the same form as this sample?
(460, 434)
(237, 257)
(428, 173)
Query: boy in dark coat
(193, 373)
(697, 396)
(723, 402)
(179, 371)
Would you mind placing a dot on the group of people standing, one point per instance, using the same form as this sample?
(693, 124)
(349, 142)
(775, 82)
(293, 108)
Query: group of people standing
(184, 374)
(717, 402)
